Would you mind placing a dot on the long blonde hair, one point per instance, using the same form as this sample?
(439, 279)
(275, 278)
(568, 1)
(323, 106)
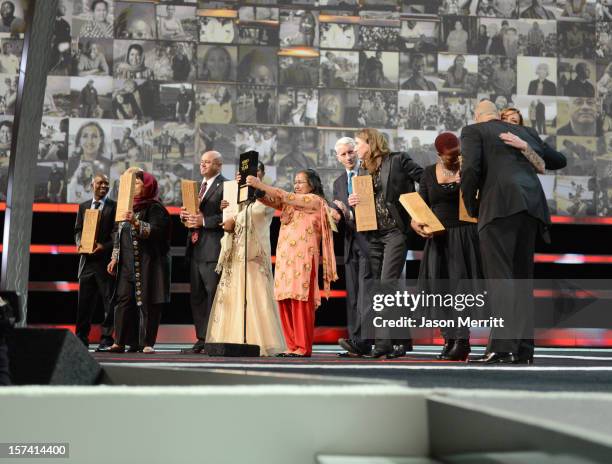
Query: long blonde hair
(379, 148)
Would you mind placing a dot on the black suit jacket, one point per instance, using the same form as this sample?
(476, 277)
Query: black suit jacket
(351, 235)
(98, 262)
(549, 88)
(507, 181)
(208, 246)
(399, 174)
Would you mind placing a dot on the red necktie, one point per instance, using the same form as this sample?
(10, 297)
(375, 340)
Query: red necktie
(195, 234)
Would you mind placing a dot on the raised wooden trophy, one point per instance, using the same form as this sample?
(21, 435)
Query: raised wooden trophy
(125, 199)
(421, 212)
(365, 211)
(190, 191)
(89, 234)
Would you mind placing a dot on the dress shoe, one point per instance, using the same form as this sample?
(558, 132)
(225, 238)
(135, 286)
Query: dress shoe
(116, 349)
(494, 358)
(103, 348)
(197, 348)
(524, 360)
(460, 351)
(448, 345)
(379, 353)
(134, 349)
(398, 352)
(351, 347)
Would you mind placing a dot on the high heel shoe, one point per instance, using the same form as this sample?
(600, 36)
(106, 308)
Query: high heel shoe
(148, 350)
(116, 349)
(448, 345)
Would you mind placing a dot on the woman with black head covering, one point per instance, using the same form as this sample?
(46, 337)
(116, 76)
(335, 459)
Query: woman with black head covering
(141, 263)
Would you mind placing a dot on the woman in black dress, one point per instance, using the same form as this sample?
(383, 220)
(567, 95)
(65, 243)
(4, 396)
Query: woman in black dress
(453, 256)
(141, 263)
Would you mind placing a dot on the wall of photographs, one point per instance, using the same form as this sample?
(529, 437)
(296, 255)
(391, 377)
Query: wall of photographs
(154, 83)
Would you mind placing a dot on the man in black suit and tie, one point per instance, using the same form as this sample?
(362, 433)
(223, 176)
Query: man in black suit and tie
(511, 209)
(541, 85)
(204, 244)
(94, 281)
(356, 265)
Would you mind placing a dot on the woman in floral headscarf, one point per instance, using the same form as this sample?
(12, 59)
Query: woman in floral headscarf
(141, 264)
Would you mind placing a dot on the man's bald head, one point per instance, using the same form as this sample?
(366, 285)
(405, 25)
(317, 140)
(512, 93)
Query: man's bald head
(210, 164)
(485, 111)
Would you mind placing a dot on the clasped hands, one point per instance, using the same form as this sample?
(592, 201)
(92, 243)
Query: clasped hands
(191, 221)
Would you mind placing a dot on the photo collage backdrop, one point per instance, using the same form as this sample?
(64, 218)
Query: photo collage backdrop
(155, 83)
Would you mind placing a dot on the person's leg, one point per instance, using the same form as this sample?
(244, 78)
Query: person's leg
(211, 280)
(303, 313)
(286, 318)
(199, 301)
(105, 286)
(154, 312)
(88, 291)
(125, 307)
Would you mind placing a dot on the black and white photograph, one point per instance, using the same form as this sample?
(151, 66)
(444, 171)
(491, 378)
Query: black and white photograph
(335, 106)
(539, 78)
(458, 73)
(379, 37)
(135, 21)
(218, 137)
(93, 19)
(8, 93)
(603, 10)
(577, 116)
(93, 57)
(537, 37)
(341, 33)
(215, 103)
(455, 112)
(454, 7)
(176, 103)
(53, 144)
(298, 70)
(458, 34)
(498, 37)
(175, 22)
(258, 25)
(173, 61)
(419, 144)
(262, 139)
(494, 8)
(574, 195)
(421, 7)
(377, 108)
(57, 101)
(6, 137)
(173, 141)
(257, 65)
(297, 148)
(134, 60)
(576, 78)
(578, 10)
(217, 63)
(539, 113)
(580, 153)
(10, 57)
(418, 35)
(218, 29)
(13, 19)
(298, 106)
(50, 186)
(135, 99)
(604, 80)
(89, 141)
(338, 69)
(60, 57)
(496, 75)
(418, 71)
(603, 47)
(169, 177)
(539, 9)
(378, 69)
(413, 105)
(576, 40)
(132, 142)
(604, 186)
(327, 148)
(255, 104)
(91, 97)
(299, 28)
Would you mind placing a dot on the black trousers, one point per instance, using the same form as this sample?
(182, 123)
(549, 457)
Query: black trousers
(507, 247)
(135, 325)
(204, 282)
(94, 285)
(387, 262)
(356, 271)
(5, 374)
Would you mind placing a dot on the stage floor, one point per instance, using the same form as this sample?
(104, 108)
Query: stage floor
(560, 370)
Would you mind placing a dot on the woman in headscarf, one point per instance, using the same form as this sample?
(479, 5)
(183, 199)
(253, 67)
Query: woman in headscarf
(99, 27)
(305, 229)
(134, 66)
(141, 264)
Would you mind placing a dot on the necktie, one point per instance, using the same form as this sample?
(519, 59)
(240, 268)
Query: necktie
(350, 182)
(195, 234)
(97, 204)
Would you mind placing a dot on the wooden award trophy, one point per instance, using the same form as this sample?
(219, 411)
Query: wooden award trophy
(189, 191)
(420, 212)
(365, 211)
(89, 235)
(125, 199)
(243, 194)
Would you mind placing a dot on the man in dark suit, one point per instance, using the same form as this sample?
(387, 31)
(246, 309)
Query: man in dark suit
(94, 281)
(541, 85)
(387, 246)
(500, 186)
(356, 266)
(204, 244)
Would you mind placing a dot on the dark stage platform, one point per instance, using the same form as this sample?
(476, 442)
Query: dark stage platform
(558, 370)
